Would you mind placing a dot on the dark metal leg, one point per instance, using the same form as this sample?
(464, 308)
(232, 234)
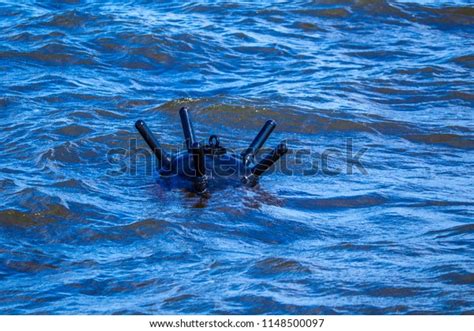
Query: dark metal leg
(252, 178)
(163, 158)
(257, 143)
(200, 179)
(188, 130)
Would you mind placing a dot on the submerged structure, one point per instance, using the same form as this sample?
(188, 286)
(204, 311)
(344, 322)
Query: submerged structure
(201, 162)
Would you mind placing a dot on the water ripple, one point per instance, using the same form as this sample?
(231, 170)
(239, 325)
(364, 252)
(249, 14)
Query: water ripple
(86, 225)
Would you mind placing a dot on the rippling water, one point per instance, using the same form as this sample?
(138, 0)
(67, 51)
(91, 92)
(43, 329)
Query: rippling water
(79, 236)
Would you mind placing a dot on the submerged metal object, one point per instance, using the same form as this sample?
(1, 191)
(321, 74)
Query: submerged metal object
(199, 161)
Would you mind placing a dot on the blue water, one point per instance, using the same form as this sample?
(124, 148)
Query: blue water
(80, 235)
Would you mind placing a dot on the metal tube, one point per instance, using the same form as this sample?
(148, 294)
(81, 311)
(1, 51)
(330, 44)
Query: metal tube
(269, 160)
(258, 141)
(198, 159)
(188, 130)
(251, 178)
(200, 180)
(163, 158)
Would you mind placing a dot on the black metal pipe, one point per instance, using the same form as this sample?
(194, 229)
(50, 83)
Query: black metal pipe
(200, 180)
(198, 159)
(189, 136)
(163, 158)
(258, 141)
(269, 159)
(251, 179)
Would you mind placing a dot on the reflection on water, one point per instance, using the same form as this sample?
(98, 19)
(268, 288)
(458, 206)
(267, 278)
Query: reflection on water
(394, 77)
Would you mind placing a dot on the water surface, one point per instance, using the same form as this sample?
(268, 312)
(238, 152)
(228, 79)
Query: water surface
(78, 236)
